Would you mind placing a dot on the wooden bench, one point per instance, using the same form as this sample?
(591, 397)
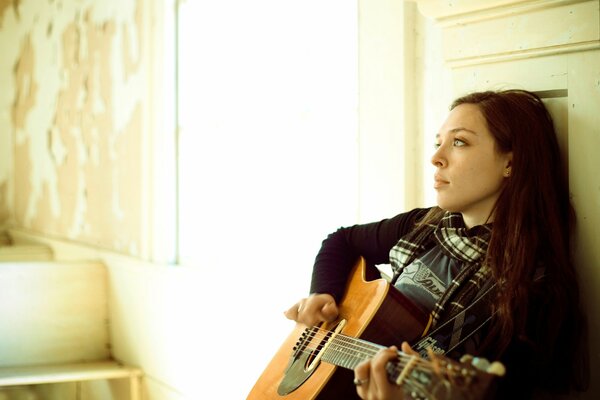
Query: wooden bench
(55, 325)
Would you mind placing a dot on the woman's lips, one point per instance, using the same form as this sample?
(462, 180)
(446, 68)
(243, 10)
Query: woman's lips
(439, 182)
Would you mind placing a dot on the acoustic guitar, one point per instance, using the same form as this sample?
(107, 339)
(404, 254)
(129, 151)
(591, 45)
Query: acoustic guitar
(317, 362)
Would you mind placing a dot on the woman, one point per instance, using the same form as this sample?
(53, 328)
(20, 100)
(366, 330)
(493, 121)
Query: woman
(503, 221)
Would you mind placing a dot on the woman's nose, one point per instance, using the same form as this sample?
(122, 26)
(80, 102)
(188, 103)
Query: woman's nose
(438, 159)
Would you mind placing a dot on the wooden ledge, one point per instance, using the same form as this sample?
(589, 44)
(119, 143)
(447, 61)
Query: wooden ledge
(24, 252)
(39, 374)
(462, 11)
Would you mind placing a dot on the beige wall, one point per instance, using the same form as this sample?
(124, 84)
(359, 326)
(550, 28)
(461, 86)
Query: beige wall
(73, 107)
(79, 136)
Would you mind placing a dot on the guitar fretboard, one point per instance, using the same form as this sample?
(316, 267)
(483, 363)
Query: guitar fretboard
(348, 352)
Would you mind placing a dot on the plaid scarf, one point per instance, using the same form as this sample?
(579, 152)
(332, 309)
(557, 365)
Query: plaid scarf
(469, 246)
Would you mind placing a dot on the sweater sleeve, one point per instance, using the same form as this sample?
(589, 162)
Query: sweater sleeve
(340, 250)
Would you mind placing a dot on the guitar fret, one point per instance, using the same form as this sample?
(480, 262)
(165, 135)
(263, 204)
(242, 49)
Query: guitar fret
(348, 352)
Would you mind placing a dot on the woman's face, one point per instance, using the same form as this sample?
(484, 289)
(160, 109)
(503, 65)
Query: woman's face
(469, 171)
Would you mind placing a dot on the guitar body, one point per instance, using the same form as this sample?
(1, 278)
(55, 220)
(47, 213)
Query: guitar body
(373, 311)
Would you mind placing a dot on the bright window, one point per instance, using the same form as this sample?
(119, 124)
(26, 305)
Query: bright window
(268, 155)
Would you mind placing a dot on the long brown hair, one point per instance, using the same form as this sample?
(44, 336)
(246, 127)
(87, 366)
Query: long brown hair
(532, 226)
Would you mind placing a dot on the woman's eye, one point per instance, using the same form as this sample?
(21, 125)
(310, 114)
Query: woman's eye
(436, 146)
(458, 143)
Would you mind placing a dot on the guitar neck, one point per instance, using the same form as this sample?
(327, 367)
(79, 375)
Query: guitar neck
(419, 377)
(348, 352)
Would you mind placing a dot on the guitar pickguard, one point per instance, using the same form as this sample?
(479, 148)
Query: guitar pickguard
(296, 374)
(306, 357)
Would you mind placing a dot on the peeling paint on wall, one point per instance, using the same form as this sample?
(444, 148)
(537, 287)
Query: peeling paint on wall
(75, 103)
(25, 93)
(5, 5)
(3, 200)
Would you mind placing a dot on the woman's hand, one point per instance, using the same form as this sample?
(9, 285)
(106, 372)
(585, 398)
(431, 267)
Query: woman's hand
(316, 308)
(371, 379)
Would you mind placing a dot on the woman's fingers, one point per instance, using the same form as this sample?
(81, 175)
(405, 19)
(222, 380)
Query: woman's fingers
(371, 377)
(314, 309)
(407, 349)
(362, 374)
(381, 384)
(292, 312)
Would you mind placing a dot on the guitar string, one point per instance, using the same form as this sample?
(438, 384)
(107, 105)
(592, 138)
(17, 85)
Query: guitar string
(411, 384)
(356, 344)
(369, 349)
(350, 346)
(400, 363)
(353, 347)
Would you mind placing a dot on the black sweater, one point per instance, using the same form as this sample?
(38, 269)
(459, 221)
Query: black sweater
(526, 365)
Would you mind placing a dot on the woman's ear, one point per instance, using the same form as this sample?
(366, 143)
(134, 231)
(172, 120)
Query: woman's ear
(508, 165)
